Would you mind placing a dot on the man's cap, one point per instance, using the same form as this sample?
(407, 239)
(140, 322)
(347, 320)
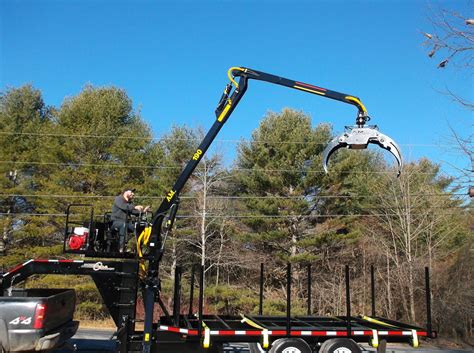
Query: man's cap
(128, 189)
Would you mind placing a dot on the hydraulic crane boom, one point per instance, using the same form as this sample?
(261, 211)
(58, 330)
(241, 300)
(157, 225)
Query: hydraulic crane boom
(357, 138)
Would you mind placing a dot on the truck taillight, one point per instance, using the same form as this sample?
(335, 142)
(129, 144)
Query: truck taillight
(39, 316)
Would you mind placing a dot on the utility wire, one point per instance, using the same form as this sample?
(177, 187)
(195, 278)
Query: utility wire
(224, 197)
(105, 166)
(195, 140)
(247, 215)
(91, 165)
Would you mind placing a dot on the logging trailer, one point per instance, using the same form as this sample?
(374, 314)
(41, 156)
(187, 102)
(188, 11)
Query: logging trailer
(120, 276)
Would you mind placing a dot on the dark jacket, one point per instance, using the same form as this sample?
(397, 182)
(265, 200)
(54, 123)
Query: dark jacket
(122, 209)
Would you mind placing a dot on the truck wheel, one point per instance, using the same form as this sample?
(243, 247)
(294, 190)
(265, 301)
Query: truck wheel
(290, 345)
(255, 348)
(340, 345)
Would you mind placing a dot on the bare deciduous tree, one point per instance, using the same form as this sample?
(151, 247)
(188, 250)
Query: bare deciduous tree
(452, 43)
(452, 40)
(412, 230)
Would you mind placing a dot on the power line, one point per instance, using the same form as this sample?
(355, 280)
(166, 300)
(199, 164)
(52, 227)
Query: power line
(90, 165)
(255, 170)
(248, 215)
(196, 140)
(311, 216)
(114, 137)
(224, 197)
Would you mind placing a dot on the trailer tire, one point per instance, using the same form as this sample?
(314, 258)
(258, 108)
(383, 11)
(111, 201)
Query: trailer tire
(290, 345)
(340, 345)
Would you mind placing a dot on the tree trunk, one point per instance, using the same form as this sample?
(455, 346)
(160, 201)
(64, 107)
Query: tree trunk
(174, 260)
(408, 247)
(411, 291)
(389, 289)
(203, 220)
(4, 238)
(219, 254)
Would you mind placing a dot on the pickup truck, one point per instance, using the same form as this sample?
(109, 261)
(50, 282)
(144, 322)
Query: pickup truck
(36, 319)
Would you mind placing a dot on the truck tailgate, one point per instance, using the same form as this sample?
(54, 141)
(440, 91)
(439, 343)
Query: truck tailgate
(31, 318)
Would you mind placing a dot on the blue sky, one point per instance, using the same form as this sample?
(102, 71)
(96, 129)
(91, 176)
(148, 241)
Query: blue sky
(172, 59)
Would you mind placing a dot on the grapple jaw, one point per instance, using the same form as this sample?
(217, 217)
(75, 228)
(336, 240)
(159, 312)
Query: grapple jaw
(356, 137)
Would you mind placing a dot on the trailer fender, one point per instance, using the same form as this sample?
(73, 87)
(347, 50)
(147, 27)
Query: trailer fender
(340, 345)
(290, 345)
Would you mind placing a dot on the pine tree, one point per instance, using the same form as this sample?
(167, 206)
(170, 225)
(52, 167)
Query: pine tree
(24, 117)
(272, 171)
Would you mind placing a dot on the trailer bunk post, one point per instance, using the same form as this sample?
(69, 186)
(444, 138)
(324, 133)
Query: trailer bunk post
(201, 299)
(429, 326)
(177, 295)
(260, 305)
(288, 299)
(309, 289)
(348, 302)
(372, 288)
(191, 290)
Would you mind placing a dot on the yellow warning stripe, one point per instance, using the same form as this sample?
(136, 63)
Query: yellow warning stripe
(309, 90)
(224, 112)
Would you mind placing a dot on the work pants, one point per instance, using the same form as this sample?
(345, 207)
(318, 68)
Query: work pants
(124, 228)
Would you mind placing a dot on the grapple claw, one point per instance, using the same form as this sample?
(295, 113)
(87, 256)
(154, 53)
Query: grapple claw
(359, 138)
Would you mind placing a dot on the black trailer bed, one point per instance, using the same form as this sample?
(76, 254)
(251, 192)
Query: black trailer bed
(194, 335)
(238, 328)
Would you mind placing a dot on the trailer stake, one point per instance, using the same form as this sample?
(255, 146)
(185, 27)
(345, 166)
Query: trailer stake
(177, 295)
(260, 306)
(288, 299)
(191, 290)
(429, 326)
(348, 302)
(309, 289)
(201, 299)
(372, 288)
